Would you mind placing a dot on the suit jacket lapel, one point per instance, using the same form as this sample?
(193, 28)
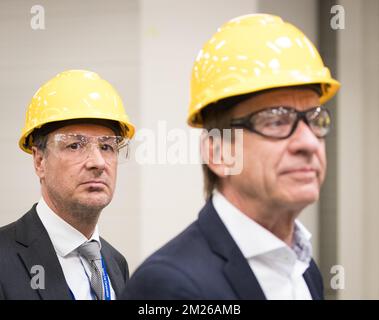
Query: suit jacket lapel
(36, 249)
(311, 280)
(113, 270)
(242, 278)
(236, 269)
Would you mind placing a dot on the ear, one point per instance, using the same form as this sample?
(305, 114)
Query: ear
(39, 160)
(211, 150)
(222, 153)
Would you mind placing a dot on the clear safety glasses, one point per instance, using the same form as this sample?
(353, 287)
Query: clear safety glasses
(78, 148)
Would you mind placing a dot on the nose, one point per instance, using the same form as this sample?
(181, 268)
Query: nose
(95, 159)
(304, 141)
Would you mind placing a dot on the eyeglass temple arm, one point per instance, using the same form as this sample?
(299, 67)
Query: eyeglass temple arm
(242, 122)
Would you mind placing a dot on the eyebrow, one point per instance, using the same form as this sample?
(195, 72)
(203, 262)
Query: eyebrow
(107, 137)
(76, 135)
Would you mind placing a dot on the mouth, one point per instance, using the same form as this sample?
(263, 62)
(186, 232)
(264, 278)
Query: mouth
(95, 183)
(303, 173)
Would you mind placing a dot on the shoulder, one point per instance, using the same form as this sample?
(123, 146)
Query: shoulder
(187, 248)
(162, 280)
(21, 228)
(178, 270)
(7, 235)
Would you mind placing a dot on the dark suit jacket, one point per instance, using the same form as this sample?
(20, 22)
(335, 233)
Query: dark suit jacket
(26, 243)
(203, 262)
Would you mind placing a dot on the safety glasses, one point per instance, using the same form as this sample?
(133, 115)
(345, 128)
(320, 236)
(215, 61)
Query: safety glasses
(78, 148)
(281, 122)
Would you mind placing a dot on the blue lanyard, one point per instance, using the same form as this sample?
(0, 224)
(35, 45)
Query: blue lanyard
(107, 287)
(105, 278)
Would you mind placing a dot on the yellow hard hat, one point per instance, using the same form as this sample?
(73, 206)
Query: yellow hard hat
(253, 53)
(74, 94)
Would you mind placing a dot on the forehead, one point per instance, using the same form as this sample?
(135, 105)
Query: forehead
(86, 129)
(298, 98)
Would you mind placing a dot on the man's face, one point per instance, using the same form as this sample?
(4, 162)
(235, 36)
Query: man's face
(284, 173)
(84, 184)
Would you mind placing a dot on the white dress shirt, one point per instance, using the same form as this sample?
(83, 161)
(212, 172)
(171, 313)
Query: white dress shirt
(278, 268)
(66, 239)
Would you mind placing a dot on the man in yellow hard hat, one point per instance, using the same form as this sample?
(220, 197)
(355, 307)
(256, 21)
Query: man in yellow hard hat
(77, 131)
(263, 81)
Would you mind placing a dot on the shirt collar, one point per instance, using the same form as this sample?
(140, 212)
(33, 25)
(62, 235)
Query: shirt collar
(253, 239)
(302, 245)
(64, 237)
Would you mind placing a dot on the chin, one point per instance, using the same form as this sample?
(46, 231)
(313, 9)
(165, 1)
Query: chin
(95, 201)
(304, 196)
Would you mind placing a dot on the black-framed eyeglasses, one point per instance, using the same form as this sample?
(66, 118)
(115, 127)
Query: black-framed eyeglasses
(281, 122)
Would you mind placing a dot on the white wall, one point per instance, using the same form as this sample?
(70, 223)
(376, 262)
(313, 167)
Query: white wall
(172, 33)
(98, 35)
(358, 150)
